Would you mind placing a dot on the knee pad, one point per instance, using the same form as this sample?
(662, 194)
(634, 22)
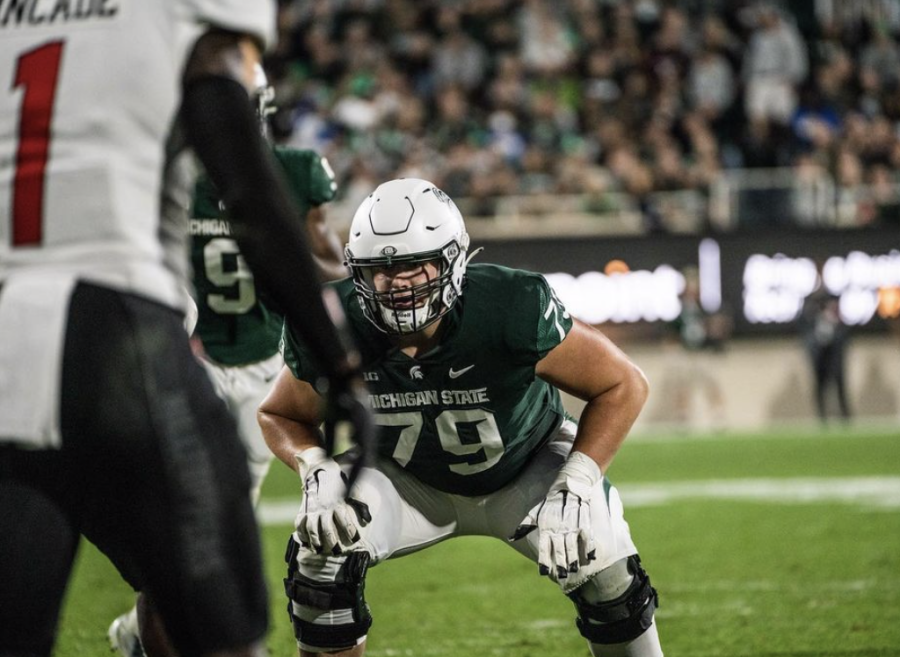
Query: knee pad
(606, 613)
(342, 601)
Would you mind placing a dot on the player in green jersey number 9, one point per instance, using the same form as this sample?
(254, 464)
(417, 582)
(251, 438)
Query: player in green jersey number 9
(464, 365)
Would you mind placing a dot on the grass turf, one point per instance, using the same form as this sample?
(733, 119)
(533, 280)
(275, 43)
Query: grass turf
(736, 577)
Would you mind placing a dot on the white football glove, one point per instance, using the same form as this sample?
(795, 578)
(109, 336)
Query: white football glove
(563, 519)
(328, 521)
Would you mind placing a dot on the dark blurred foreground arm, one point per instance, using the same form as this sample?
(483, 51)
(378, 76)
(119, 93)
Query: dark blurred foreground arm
(220, 123)
(221, 127)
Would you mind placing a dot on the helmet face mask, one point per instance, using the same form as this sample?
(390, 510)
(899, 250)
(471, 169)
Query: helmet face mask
(411, 229)
(263, 98)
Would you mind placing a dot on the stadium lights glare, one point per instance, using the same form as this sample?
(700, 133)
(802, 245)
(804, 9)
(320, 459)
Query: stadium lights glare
(709, 260)
(638, 295)
(775, 287)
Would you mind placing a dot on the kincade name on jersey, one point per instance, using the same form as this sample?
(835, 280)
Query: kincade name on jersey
(422, 398)
(34, 13)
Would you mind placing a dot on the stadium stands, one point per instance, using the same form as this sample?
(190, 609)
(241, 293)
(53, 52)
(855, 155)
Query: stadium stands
(685, 115)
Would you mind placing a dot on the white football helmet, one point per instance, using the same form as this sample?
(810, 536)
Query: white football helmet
(407, 222)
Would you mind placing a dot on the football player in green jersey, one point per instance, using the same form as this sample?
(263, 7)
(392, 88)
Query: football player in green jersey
(464, 366)
(240, 332)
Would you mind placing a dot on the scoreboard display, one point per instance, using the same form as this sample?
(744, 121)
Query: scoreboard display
(760, 281)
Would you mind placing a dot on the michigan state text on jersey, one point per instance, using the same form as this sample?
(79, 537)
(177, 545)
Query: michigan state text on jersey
(476, 394)
(464, 366)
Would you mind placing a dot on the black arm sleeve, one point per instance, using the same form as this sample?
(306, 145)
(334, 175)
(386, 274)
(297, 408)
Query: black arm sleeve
(221, 127)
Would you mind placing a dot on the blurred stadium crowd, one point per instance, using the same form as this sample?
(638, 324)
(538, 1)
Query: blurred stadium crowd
(598, 98)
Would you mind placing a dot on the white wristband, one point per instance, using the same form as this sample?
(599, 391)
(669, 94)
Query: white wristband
(579, 474)
(308, 459)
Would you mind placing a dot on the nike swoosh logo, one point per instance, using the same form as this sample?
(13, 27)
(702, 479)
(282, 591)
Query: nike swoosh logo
(454, 374)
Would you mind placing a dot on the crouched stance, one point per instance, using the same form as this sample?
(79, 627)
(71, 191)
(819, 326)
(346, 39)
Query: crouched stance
(464, 366)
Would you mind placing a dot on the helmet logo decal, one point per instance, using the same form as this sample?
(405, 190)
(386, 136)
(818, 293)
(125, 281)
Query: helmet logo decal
(441, 196)
(389, 251)
(415, 373)
(399, 229)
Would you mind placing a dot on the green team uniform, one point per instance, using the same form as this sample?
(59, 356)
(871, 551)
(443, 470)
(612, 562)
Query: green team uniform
(467, 416)
(233, 324)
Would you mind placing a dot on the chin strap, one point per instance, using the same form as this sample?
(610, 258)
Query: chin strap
(473, 254)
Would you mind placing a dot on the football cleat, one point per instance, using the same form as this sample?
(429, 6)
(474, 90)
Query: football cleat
(123, 635)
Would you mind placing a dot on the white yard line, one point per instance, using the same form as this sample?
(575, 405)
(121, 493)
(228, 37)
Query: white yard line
(277, 511)
(801, 431)
(877, 492)
(882, 492)
(782, 586)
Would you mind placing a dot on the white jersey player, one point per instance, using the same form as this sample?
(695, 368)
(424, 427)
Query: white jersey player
(90, 92)
(108, 426)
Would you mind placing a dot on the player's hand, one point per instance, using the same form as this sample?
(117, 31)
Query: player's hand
(563, 519)
(328, 521)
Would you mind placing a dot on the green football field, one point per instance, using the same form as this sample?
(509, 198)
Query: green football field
(775, 544)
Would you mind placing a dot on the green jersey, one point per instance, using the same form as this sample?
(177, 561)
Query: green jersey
(233, 324)
(467, 416)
